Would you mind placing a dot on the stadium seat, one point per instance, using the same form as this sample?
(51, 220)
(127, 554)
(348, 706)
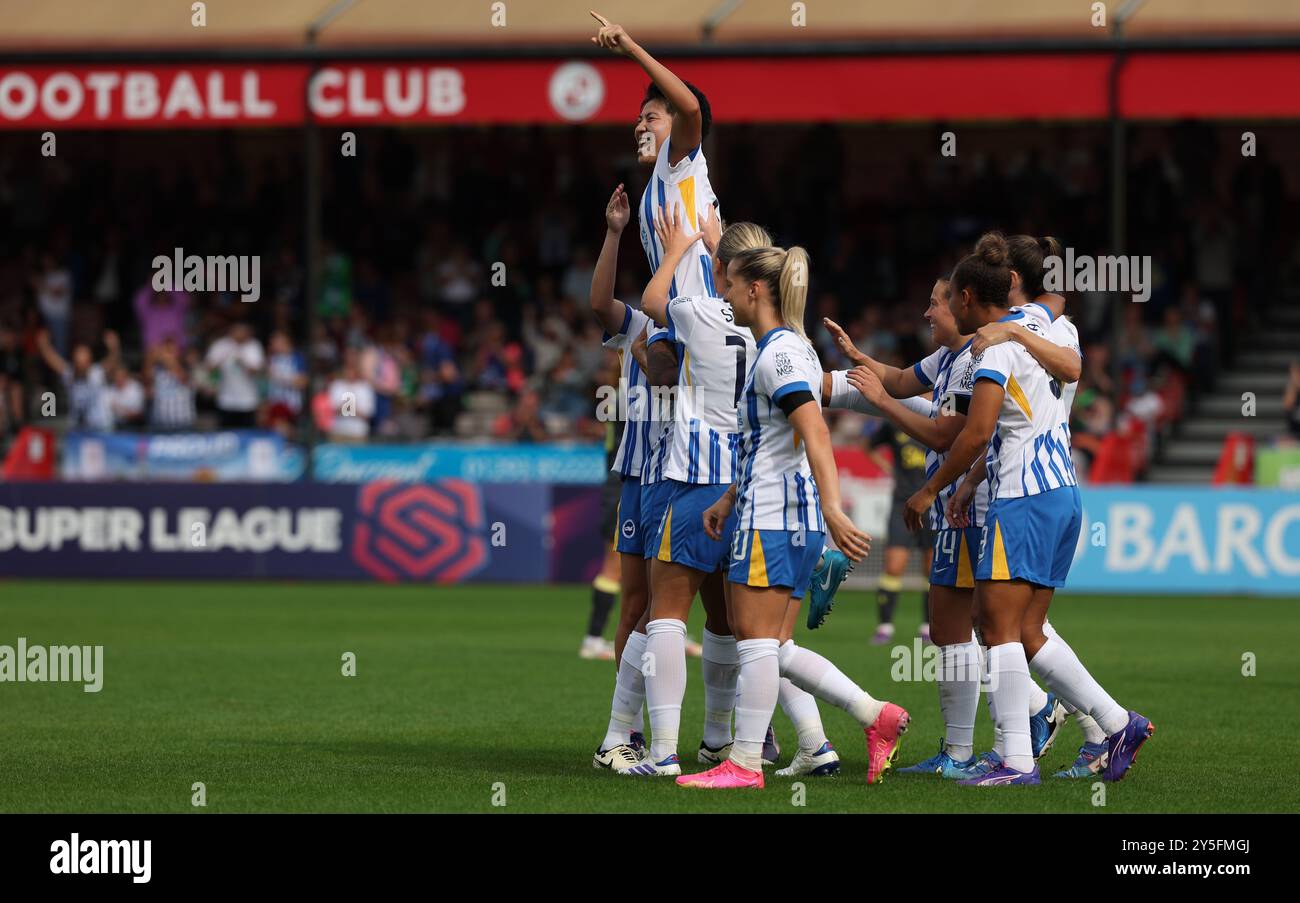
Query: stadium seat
(1237, 461)
(31, 457)
(855, 462)
(1116, 460)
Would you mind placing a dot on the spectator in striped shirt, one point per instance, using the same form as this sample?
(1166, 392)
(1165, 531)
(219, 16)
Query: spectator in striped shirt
(170, 388)
(87, 385)
(286, 380)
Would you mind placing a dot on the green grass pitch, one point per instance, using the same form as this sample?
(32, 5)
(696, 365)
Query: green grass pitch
(460, 690)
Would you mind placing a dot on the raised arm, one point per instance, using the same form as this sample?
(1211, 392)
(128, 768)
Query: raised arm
(676, 241)
(1062, 362)
(898, 383)
(609, 311)
(688, 121)
(53, 359)
(113, 347)
(808, 422)
(1291, 397)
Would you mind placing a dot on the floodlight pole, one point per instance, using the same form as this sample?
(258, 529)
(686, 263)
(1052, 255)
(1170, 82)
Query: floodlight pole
(311, 257)
(312, 223)
(1119, 162)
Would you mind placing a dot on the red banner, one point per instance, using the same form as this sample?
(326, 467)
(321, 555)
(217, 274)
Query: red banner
(126, 96)
(782, 89)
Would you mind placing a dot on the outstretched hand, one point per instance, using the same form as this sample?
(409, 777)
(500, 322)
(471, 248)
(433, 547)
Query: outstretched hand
(618, 211)
(672, 231)
(843, 342)
(612, 37)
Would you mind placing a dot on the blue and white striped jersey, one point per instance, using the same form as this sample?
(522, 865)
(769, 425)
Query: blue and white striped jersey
(715, 356)
(1027, 454)
(685, 185)
(775, 486)
(1064, 333)
(948, 374)
(656, 456)
(637, 430)
(661, 415)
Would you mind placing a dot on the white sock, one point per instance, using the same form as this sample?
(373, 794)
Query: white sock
(1092, 732)
(665, 683)
(629, 693)
(988, 699)
(1061, 670)
(959, 696)
(1037, 698)
(801, 708)
(720, 668)
(1008, 689)
(816, 674)
(760, 683)
(1038, 695)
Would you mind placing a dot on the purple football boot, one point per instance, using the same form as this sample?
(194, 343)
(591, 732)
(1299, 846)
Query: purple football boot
(1001, 777)
(1122, 747)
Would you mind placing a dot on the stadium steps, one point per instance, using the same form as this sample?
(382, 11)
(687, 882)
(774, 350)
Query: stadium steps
(1191, 452)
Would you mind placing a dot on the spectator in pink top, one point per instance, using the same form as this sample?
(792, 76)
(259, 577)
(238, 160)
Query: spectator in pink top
(161, 316)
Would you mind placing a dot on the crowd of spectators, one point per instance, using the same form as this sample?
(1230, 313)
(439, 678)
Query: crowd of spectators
(453, 294)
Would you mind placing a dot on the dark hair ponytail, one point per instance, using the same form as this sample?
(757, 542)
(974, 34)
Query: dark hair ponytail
(1028, 257)
(986, 271)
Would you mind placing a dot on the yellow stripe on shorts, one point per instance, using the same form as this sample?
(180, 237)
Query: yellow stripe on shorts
(757, 562)
(965, 579)
(1000, 569)
(666, 544)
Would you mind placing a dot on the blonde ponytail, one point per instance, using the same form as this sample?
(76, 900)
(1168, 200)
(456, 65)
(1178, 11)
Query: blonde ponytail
(794, 290)
(785, 273)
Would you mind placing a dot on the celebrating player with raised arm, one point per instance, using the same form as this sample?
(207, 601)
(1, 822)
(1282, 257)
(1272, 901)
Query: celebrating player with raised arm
(620, 751)
(699, 465)
(673, 121)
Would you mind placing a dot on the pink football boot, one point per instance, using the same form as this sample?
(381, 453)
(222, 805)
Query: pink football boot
(883, 739)
(726, 775)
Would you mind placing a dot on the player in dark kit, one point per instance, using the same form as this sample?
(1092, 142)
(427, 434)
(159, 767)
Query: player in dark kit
(605, 586)
(908, 469)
